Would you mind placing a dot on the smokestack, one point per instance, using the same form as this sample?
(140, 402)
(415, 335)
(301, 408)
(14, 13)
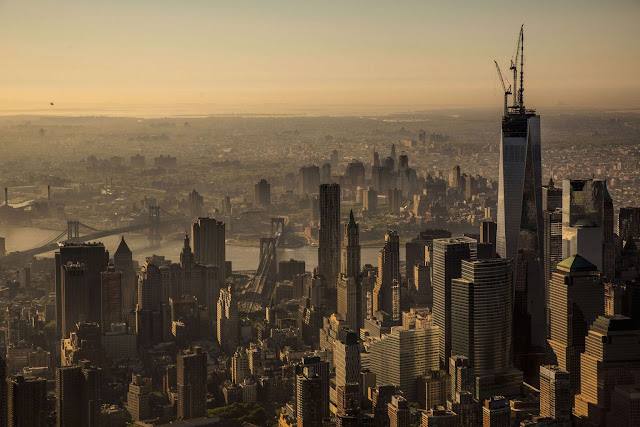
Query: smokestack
(6, 196)
(49, 193)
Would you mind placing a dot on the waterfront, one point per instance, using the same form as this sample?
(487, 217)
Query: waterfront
(242, 257)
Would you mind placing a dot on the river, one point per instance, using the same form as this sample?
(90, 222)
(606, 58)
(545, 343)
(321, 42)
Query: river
(242, 257)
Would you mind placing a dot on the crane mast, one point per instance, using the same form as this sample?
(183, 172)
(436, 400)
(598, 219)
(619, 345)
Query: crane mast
(507, 91)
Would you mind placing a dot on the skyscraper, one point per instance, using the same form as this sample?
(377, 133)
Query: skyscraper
(403, 355)
(587, 209)
(227, 320)
(26, 402)
(447, 264)
(207, 236)
(346, 357)
(192, 383)
(350, 301)
(628, 223)
(262, 194)
(329, 233)
(111, 288)
(351, 248)
(94, 258)
(576, 299)
(496, 412)
(78, 395)
(311, 366)
(399, 412)
(123, 262)
(519, 225)
(309, 392)
(388, 273)
(481, 310)
(611, 358)
(555, 394)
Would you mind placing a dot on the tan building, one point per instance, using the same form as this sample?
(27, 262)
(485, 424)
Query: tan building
(433, 389)
(555, 394)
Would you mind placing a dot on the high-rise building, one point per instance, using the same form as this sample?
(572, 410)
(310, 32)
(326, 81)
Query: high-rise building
(123, 262)
(447, 264)
(388, 273)
(329, 233)
(139, 397)
(611, 358)
(481, 310)
(309, 179)
(519, 224)
(587, 223)
(325, 174)
(351, 248)
(625, 406)
(309, 392)
(348, 398)
(496, 412)
(551, 197)
(628, 223)
(227, 320)
(76, 288)
(196, 203)
(192, 383)
(399, 412)
(555, 394)
(552, 248)
(26, 402)
(93, 258)
(433, 389)
(3, 392)
(2, 247)
(370, 201)
(314, 365)
(240, 366)
(78, 395)
(111, 288)
(576, 299)
(262, 194)
(346, 357)
(388, 357)
(354, 174)
(460, 373)
(350, 301)
(439, 417)
(394, 200)
(488, 230)
(208, 236)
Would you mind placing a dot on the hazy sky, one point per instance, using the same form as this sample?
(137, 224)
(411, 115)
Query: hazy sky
(304, 53)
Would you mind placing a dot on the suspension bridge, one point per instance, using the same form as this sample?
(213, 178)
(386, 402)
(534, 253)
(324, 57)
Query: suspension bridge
(262, 285)
(151, 219)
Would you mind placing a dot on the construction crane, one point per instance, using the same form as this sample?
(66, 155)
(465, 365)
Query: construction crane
(507, 91)
(514, 65)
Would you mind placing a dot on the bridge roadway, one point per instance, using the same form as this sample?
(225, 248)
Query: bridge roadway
(53, 244)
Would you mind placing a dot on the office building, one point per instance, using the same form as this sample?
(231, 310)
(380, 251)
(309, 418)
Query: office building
(611, 358)
(92, 259)
(399, 412)
(394, 200)
(628, 223)
(496, 412)
(433, 389)
(314, 365)
(325, 174)
(351, 248)
(448, 254)
(556, 398)
(111, 288)
(551, 197)
(346, 357)
(481, 310)
(262, 194)
(208, 238)
(348, 398)
(370, 201)
(552, 248)
(192, 383)
(625, 406)
(387, 357)
(78, 395)
(123, 262)
(227, 320)
(587, 223)
(519, 223)
(27, 402)
(439, 417)
(576, 300)
(329, 233)
(139, 397)
(350, 301)
(309, 391)
(309, 179)
(488, 230)
(388, 274)
(288, 270)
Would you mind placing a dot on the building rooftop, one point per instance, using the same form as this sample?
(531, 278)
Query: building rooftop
(577, 263)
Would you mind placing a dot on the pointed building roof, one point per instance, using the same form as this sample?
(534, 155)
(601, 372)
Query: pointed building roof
(630, 246)
(123, 248)
(576, 263)
(352, 220)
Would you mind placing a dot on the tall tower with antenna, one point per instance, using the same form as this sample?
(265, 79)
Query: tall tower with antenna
(519, 228)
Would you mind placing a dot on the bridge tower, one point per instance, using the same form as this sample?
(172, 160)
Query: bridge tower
(154, 226)
(73, 229)
(277, 230)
